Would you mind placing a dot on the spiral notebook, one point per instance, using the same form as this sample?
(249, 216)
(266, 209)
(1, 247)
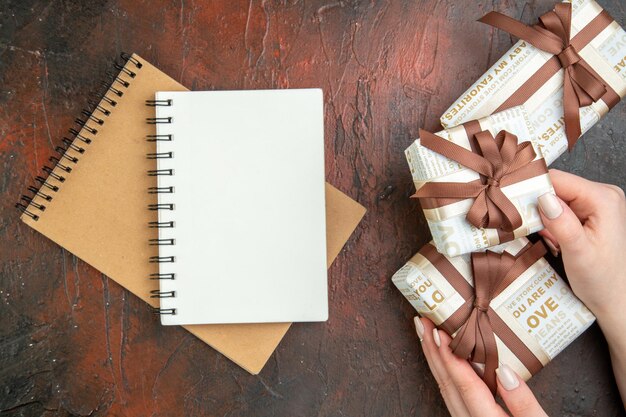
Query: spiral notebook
(94, 203)
(241, 206)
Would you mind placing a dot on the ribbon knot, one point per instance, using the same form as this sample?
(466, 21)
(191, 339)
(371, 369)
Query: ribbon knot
(500, 161)
(568, 57)
(481, 305)
(493, 272)
(581, 85)
(493, 182)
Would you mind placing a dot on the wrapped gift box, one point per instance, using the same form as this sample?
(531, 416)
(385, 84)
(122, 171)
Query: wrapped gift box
(532, 311)
(533, 78)
(452, 233)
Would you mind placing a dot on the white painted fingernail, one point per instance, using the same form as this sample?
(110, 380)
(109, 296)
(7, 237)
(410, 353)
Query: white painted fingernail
(419, 328)
(508, 379)
(550, 205)
(436, 337)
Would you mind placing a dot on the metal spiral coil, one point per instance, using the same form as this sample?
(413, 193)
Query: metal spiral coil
(161, 242)
(161, 206)
(53, 174)
(159, 276)
(38, 192)
(58, 163)
(91, 118)
(169, 311)
(29, 200)
(160, 155)
(160, 225)
(159, 103)
(159, 138)
(158, 120)
(162, 294)
(157, 172)
(45, 183)
(79, 136)
(162, 259)
(161, 190)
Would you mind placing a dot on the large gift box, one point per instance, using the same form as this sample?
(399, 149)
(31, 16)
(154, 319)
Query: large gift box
(505, 305)
(567, 72)
(478, 183)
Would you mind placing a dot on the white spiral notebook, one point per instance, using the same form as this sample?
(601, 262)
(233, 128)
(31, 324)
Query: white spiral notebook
(241, 210)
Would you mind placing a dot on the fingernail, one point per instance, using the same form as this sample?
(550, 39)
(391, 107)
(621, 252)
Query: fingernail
(436, 337)
(550, 205)
(507, 378)
(419, 328)
(553, 249)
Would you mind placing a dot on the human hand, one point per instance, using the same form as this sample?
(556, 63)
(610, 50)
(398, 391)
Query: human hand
(463, 391)
(587, 223)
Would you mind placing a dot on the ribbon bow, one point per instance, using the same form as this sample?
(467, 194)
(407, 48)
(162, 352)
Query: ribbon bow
(581, 85)
(501, 162)
(493, 272)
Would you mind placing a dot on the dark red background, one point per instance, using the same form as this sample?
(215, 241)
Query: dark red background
(74, 343)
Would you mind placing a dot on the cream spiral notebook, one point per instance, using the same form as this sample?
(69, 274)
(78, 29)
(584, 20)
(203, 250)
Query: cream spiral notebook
(109, 216)
(241, 206)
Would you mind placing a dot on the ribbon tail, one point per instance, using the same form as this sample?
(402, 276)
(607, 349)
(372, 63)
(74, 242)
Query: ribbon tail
(529, 34)
(584, 99)
(571, 112)
(478, 212)
(464, 342)
(491, 353)
(583, 77)
(506, 213)
(480, 354)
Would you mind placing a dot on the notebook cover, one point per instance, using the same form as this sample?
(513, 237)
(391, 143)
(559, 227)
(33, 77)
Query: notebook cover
(109, 212)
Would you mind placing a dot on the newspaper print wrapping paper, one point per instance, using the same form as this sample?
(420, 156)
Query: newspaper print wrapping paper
(452, 233)
(523, 67)
(538, 307)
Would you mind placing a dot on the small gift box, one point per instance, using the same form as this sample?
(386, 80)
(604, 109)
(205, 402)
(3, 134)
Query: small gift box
(477, 185)
(505, 305)
(568, 72)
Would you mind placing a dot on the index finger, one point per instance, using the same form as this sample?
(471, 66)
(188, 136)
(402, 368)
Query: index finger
(583, 196)
(476, 395)
(571, 187)
(450, 395)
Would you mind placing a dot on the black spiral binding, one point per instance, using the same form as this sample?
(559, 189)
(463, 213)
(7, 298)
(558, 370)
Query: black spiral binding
(161, 206)
(101, 104)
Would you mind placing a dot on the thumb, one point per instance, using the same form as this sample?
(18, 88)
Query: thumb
(518, 398)
(562, 223)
